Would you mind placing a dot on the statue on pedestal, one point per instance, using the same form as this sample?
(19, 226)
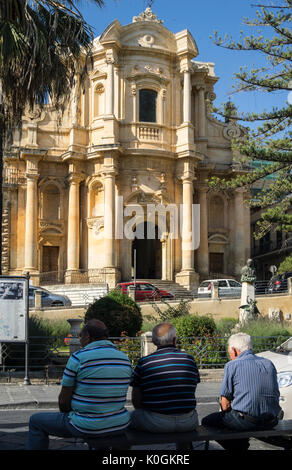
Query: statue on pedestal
(248, 309)
(248, 273)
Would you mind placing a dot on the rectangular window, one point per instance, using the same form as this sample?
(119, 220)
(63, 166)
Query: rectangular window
(147, 105)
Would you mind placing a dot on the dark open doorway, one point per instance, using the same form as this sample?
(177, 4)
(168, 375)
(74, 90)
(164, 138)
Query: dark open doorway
(148, 256)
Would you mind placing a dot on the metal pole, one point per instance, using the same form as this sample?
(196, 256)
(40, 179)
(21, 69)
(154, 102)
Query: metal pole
(135, 274)
(26, 378)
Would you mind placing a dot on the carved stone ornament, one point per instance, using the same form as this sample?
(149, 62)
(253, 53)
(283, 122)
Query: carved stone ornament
(147, 15)
(146, 41)
(96, 224)
(233, 131)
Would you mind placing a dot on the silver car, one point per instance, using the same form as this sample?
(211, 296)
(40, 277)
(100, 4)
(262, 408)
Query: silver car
(48, 298)
(282, 360)
(226, 287)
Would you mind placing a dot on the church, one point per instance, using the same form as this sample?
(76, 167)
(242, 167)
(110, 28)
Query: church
(139, 134)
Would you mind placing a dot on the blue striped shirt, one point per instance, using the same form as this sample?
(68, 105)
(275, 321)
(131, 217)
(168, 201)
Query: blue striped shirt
(167, 380)
(101, 376)
(250, 383)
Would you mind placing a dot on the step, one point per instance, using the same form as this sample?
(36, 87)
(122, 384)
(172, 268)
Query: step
(79, 294)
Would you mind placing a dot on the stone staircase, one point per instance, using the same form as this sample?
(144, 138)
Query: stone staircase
(173, 287)
(79, 294)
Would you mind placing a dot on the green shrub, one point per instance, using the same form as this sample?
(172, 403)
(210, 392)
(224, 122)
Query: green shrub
(225, 325)
(119, 312)
(194, 325)
(172, 311)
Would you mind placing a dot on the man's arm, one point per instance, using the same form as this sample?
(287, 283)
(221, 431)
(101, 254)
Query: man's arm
(65, 398)
(136, 397)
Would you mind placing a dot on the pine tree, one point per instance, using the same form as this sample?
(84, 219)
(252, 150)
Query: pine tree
(266, 149)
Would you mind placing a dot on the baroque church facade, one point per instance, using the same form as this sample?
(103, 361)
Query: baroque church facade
(140, 133)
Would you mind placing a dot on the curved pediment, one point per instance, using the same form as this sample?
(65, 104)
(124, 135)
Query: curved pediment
(218, 238)
(146, 31)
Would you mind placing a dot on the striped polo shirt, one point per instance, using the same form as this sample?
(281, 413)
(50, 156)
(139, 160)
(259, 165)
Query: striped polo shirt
(101, 376)
(167, 380)
(250, 383)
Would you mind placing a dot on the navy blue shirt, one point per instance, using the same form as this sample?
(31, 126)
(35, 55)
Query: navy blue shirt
(250, 383)
(167, 380)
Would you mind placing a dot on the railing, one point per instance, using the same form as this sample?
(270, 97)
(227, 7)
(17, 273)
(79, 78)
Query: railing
(82, 276)
(13, 176)
(148, 132)
(48, 355)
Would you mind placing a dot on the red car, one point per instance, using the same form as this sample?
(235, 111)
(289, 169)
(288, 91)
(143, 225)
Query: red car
(145, 291)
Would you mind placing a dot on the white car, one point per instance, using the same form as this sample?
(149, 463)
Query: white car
(282, 360)
(226, 287)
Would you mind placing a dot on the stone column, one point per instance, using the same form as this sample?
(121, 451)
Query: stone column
(109, 218)
(109, 105)
(187, 96)
(201, 111)
(187, 253)
(239, 232)
(111, 272)
(187, 277)
(31, 232)
(203, 250)
(73, 226)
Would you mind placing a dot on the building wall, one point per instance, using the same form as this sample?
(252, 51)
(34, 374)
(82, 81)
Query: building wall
(69, 178)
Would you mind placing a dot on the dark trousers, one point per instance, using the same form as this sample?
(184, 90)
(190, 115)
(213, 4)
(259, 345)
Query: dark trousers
(232, 420)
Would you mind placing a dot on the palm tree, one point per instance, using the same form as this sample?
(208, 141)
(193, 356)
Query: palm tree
(41, 42)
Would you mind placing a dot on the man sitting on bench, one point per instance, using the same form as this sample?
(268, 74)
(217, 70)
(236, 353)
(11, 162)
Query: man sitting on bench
(249, 393)
(93, 394)
(164, 385)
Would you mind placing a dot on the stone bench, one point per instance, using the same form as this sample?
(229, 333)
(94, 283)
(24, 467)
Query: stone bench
(280, 436)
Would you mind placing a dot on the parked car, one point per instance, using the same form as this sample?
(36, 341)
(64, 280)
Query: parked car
(227, 287)
(279, 283)
(48, 298)
(282, 360)
(145, 291)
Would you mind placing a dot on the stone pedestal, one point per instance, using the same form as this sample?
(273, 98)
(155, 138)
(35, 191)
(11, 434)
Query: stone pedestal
(38, 299)
(74, 342)
(215, 290)
(111, 276)
(247, 296)
(147, 346)
(188, 279)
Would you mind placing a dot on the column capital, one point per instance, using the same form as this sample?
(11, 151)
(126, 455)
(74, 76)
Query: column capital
(203, 189)
(109, 172)
(187, 177)
(110, 57)
(75, 178)
(200, 86)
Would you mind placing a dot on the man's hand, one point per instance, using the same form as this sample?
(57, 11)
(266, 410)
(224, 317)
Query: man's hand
(65, 398)
(225, 404)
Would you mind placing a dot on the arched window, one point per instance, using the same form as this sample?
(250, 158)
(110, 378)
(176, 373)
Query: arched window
(147, 105)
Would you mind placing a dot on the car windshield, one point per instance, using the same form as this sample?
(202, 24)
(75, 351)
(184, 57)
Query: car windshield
(205, 284)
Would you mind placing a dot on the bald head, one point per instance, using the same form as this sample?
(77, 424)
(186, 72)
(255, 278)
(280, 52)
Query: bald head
(164, 334)
(93, 330)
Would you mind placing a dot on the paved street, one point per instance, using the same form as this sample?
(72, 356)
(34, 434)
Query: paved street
(18, 402)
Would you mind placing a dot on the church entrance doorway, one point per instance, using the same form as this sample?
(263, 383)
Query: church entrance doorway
(50, 259)
(148, 256)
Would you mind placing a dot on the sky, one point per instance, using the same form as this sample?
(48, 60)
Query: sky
(201, 18)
